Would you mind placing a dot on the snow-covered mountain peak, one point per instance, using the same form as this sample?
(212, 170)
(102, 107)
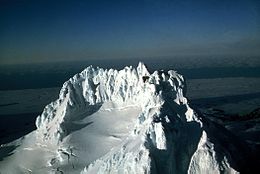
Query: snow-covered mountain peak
(126, 121)
(95, 86)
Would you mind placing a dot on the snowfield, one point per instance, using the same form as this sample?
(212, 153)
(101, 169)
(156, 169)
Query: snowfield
(127, 121)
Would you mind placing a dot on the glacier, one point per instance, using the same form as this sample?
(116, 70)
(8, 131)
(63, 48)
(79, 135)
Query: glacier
(120, 121)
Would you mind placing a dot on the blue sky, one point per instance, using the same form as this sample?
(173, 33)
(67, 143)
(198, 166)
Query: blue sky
(45, 31)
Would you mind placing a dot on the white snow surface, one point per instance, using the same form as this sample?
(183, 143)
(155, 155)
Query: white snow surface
(110, 121)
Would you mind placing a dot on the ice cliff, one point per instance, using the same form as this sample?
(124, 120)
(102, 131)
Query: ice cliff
(127, 121)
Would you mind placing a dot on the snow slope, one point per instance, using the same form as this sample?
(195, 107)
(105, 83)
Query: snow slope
(110, 121)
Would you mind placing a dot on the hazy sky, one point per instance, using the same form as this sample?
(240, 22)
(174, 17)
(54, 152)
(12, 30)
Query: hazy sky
(43, 31)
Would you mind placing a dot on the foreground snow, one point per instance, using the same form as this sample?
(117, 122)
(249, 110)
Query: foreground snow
(109, 121)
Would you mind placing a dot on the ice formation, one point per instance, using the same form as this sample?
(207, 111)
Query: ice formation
(110, 121)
